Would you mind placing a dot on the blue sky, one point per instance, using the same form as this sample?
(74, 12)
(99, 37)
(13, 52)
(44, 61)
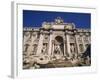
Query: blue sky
(36, 18)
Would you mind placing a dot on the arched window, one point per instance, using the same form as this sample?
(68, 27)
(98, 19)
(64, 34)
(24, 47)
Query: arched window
(34, 48)
(26, 47)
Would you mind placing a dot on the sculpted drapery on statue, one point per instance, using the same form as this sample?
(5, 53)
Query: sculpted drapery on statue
(44, 49)
(58, 45)
(58, 20)
(57, 49)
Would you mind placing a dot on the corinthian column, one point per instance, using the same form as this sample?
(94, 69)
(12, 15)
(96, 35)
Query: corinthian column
(40, 44)
(50, 43)
(76, 46)
(77, 43)
(52, 52)
(68, 44)
(64, 47)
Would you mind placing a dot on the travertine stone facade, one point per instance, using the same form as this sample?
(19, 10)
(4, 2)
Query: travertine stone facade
(55, 39)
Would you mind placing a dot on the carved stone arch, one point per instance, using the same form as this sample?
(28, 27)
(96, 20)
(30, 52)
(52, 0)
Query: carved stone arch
(59, 38)
(59, 44)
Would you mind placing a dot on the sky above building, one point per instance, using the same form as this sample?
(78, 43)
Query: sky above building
(36, 18)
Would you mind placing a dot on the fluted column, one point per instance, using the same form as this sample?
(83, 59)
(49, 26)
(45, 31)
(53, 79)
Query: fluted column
(50, 43)
(77, 44)
(52, 48)
(40, 44)
(64, 47)
(68, 44)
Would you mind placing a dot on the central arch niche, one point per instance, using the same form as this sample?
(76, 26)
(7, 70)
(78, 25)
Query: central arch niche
(59, 43)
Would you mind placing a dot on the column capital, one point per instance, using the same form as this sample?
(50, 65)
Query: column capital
(67, 32)
(41, 31)
(53, 41)
(51, 31)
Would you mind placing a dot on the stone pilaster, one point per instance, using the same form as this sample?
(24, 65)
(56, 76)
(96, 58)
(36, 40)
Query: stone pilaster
(84, 48)
(89, 39)
(77, 44)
